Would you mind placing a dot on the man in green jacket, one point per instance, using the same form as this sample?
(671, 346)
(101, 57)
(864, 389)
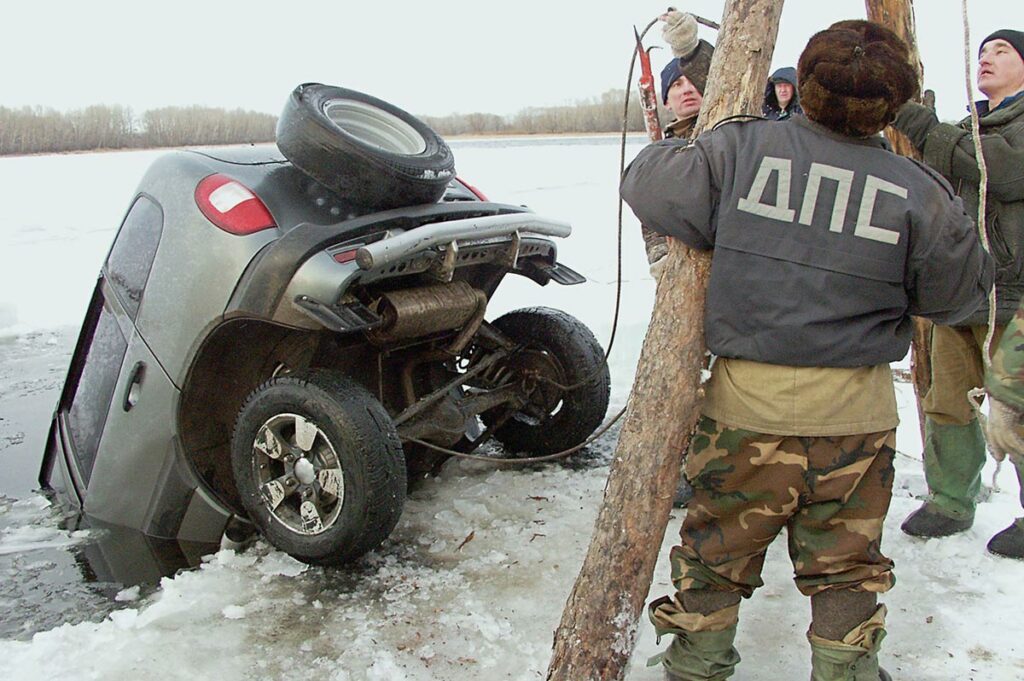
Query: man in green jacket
(954, 444)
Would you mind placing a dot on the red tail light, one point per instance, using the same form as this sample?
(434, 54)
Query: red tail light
(232, 206)
(476, 192)
(347, 256)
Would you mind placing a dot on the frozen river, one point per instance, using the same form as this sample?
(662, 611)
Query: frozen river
(473, 580)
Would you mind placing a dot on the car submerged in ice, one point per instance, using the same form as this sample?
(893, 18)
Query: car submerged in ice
(284, 338)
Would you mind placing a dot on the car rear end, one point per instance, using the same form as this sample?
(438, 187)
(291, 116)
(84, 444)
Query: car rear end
(258, 270)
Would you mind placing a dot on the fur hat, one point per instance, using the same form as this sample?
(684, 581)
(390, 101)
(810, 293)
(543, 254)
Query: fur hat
(854, 76)
(695, 67)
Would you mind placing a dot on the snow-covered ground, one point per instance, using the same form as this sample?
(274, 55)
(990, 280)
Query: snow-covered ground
(472, 582)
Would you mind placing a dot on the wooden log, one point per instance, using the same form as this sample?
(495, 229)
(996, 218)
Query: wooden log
(598, 629)
(898, 17)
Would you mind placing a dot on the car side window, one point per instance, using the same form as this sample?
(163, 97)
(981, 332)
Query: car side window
(95, 389)
(131, 257)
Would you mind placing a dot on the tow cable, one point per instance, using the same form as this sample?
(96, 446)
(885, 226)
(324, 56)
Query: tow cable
(648, 82)
(647, 98)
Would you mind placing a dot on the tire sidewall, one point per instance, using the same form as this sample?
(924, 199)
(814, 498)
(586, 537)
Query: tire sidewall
(352, 437)
(361, 173)
(317, 99)
(561, 336)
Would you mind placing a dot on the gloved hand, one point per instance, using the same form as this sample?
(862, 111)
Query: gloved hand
(680, 32)
(656, 246)
(915, 121)
(1004, 431)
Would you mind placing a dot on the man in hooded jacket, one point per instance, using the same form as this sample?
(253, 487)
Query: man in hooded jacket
(781, 99)
(825, 244)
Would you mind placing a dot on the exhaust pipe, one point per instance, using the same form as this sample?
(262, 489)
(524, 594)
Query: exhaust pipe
(416, 312)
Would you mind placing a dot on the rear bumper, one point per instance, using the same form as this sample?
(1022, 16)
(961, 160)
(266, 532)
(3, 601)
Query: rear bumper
(412, 242)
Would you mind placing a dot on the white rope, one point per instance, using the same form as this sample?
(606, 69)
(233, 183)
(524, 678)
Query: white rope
(982, 182)
(975, 396)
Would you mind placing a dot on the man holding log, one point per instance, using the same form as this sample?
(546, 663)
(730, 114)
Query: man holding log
(954, 450)
(824, 245)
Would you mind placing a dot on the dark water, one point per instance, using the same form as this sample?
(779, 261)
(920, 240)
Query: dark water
(53, 570)
(32, 369)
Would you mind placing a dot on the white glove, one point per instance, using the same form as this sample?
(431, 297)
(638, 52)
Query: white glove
(1004, 431)
(680, 32)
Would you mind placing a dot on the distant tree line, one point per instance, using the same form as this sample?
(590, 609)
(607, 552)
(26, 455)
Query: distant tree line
(600, 114)
(30, 130)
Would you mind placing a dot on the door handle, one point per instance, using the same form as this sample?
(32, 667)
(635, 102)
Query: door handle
(133, 390)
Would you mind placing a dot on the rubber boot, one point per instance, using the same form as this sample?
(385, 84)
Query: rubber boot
(953, 458)
(702, 645)
(855, 657)
(701, 656)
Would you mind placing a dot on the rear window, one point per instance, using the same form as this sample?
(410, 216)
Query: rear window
(131, 257)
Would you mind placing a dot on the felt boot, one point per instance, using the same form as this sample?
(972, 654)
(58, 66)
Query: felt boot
(1010, 542)
(953, 458)
(930, 521)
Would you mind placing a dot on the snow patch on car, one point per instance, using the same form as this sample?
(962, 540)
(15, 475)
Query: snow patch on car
(435, 174)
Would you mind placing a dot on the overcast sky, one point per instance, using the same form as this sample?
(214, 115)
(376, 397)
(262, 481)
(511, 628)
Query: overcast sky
(430, 58)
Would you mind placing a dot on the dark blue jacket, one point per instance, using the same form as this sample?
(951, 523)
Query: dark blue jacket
(771, 109)
(824, 245)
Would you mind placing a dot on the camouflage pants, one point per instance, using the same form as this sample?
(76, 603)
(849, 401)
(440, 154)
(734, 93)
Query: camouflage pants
(830, 493)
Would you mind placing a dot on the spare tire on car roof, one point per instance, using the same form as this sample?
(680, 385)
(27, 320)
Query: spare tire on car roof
(369, 151)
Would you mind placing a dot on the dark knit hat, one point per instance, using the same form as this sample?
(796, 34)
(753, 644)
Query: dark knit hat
(1015, 38)
(695, 67)
(854, 76)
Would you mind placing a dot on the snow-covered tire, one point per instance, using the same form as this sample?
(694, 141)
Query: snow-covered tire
(316, 441)
(369, 151)
(561, 348)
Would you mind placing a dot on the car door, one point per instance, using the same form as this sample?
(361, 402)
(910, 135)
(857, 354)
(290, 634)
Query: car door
(111, 364)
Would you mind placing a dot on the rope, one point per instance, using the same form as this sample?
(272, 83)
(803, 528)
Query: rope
(979, 155)
(533, 459)
(615, 315)
(976, 395)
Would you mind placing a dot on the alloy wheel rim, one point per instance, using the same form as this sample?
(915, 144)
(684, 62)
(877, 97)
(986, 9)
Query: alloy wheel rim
(298, 474)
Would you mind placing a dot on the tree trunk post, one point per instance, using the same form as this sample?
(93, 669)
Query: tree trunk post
(898, 17)
(598, 630)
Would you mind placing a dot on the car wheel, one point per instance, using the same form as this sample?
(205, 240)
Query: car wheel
(558, 349)
(371, 152)
(318, 466)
